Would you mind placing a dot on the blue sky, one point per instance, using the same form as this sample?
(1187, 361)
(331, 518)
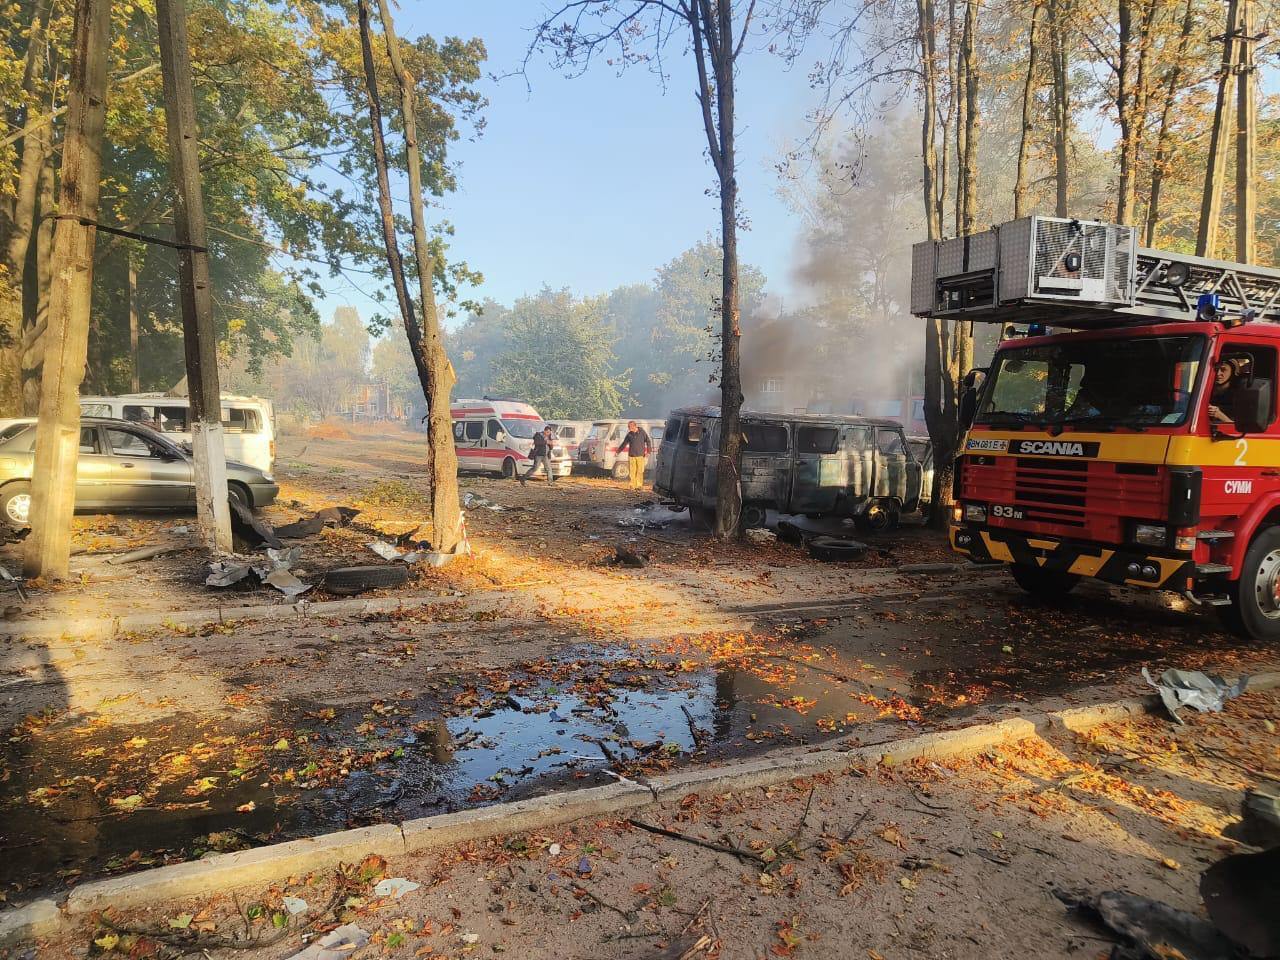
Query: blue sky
(594, 181)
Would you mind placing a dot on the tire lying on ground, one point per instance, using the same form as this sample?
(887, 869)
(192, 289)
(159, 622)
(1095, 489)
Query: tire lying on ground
(348, 581)
(836, 549)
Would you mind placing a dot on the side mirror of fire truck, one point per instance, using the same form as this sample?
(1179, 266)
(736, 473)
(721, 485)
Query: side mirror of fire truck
(1251, 409)
(969, 397)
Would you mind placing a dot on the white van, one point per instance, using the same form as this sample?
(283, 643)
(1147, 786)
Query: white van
(495, 435)
(599, 449)
(248, 423)
(570, 433)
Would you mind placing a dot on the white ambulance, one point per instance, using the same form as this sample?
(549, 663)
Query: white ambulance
(495, 435)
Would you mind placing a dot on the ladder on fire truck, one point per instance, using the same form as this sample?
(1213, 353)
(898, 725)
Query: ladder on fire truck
(1081, 274)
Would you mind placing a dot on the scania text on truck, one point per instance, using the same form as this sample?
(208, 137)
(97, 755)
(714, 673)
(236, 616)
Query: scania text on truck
(1128, 431)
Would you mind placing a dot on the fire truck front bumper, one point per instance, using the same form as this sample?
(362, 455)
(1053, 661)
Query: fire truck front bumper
(1130, 568)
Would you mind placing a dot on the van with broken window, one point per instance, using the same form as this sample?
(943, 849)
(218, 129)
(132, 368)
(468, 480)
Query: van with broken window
(248, 423)
(806, 464)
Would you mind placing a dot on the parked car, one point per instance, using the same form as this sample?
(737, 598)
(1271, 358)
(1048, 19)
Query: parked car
(922, 449)
(599, 450)
(570, 433)
(248, 423)
(121, 466)
(793, 463)
(495, 435)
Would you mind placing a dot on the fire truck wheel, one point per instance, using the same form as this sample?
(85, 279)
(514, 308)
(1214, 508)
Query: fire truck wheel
(1255, 597)
(1043, 583)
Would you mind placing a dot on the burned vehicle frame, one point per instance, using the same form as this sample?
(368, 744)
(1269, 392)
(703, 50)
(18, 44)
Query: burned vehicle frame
(808, 464)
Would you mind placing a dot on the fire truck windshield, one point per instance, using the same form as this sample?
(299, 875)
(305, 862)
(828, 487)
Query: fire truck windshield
(1137, 383)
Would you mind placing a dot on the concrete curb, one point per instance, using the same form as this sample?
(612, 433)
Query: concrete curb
(44, 918)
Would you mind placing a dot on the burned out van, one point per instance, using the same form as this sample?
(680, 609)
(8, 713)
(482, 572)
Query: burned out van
(793, 463)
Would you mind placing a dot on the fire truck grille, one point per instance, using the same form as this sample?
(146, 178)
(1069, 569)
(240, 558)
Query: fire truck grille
(1051, 491)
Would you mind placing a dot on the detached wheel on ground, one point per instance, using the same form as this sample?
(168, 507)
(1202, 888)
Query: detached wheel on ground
(1046, 584)
(880, 517)
(15, 504)
(1255, 597)
(836, 549)
(347, 581)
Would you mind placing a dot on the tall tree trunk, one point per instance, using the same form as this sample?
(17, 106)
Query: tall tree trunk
(446, 512)
(35, 317)
(929, 116)
(969, 156)
(57, 446)
(1246, 137)
(1216, 167)
(135, 374)
(959, 105)
(711, 24)
(395, 263)
(19, 211)
(1059, 46)
(1124, 111)
(1172, 85)
(1020, 184)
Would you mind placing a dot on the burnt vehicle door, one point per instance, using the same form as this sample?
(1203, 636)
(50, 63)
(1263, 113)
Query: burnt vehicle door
(820, 473)
(686, 480)
(859, 447)
(664, 468)
(893, 466)
(766, 463)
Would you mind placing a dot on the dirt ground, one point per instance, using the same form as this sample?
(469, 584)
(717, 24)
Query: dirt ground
(534, 665)
(942, 860)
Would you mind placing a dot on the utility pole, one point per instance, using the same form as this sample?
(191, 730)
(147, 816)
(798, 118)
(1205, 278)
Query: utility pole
(1246, 135)
(213, 518)
(67, 335)
(1215, 168)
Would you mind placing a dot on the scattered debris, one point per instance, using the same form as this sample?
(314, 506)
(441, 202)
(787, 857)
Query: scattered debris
(295, 905)
(761, 535)
(385, 550)
(300, 528)
(1151, 928)
(223, 573)
(336, 945)
(788, 532)
(395, 887)
(1191, 688)
(473, 500)
(1260, 816)
(836, 549)
(348, 581)
(338, 516)
(286, 582)
(628, 556)
(251, 529)
(1241, 893)
(146, 553)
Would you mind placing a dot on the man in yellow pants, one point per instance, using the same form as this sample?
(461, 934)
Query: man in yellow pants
(637, 445)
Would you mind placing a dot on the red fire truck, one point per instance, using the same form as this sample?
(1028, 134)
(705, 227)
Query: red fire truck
(1126, 428)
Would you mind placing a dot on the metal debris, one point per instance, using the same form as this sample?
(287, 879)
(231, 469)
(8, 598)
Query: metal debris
(223, 573)
(1191, 688)
(1151, 929)
(385, 550)
(1260, 816)
(473, 500)
(146, 553)
(395, 887)
(338, 944)
(300, 528)
(251, 529)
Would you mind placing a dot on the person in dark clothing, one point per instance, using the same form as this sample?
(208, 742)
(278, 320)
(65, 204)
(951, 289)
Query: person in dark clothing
(540, 455)
(637, 444)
